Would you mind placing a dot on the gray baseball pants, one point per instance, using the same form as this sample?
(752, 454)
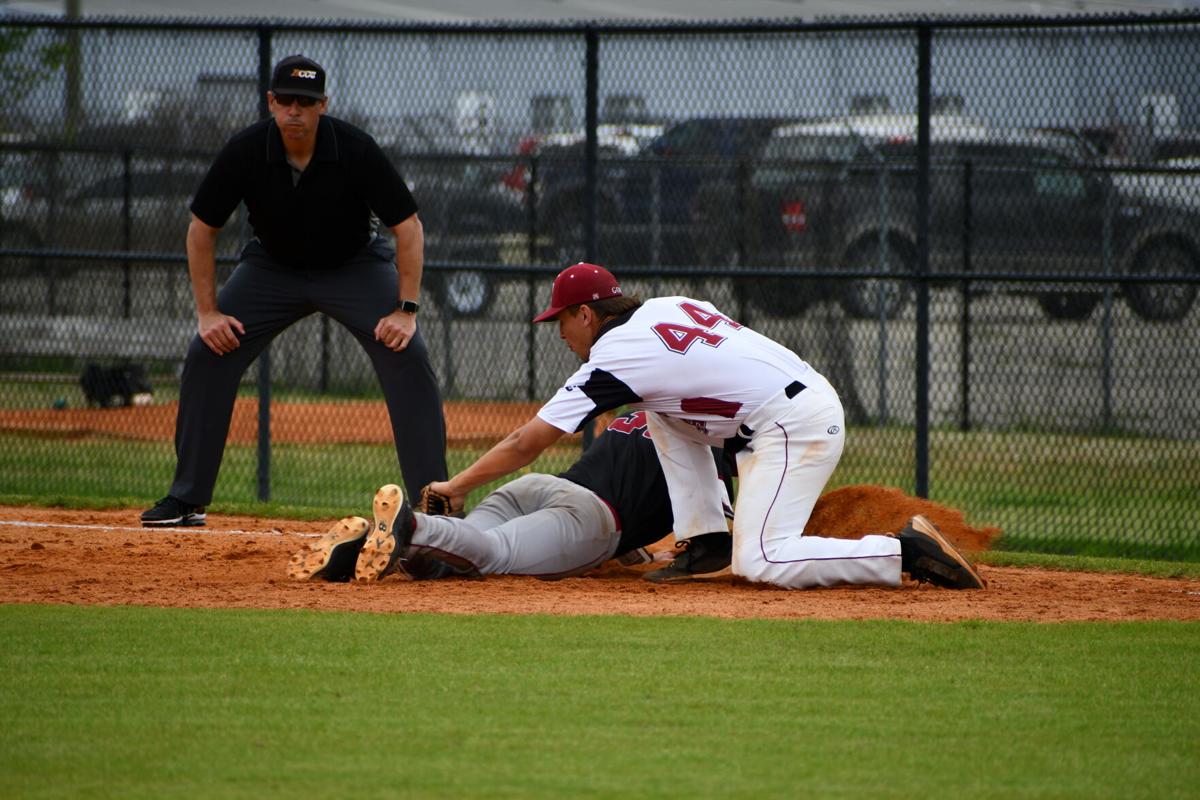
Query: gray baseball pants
(538, 525)
(267, 299)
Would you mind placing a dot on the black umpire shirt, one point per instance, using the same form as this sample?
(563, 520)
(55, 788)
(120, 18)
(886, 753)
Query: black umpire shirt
(622, 467)
(325, 217)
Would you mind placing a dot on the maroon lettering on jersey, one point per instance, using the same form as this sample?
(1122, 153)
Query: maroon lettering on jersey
(680, 338)
(630, 424)
(707, 319)
(710, 405)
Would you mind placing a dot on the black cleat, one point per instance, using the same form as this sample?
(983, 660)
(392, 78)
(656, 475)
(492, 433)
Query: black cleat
(332, 557)
(170, 512)
(705, 556)
(388, 541)
(928, 557)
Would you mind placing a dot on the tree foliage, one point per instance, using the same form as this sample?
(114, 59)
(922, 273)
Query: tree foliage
(27, 60)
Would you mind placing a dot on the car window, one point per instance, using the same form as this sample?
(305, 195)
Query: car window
(1177, 148)
(811, 148)
(750, 136)
(690, 138)
(1054, 175)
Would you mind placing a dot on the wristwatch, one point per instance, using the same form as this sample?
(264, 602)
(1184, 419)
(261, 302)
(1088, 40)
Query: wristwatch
(408, 306)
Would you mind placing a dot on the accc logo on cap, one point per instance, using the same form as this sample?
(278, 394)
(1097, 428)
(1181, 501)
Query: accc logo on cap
(311, 74)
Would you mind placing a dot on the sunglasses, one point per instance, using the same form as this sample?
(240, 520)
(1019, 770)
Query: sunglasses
(288, 99)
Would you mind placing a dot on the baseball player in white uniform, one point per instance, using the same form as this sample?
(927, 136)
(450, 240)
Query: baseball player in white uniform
(706, 380)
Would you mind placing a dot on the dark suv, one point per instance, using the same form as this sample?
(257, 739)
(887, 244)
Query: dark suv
(646, 203)
(840, 194)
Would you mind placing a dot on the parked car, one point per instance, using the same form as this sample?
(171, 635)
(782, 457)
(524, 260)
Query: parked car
(825, 195)
(94, 202)
(77, 201)
(469, 217)
(841, 194)
(645, 199)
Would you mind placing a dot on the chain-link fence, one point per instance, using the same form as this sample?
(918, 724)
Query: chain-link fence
(1029, 191)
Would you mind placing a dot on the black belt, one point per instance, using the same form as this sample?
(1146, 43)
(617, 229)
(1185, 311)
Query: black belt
(794, 388)
(742, 438)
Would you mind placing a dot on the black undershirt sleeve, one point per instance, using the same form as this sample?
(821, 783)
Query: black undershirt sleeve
(607, 392)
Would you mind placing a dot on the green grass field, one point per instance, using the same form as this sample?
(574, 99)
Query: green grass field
(132, 702)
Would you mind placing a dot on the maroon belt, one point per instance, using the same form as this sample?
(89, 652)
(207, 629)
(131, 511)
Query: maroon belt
(616, 516)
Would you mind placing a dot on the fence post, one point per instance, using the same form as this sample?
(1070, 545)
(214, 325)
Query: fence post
(1106, 320)
(126, 230)
(885, 229)
(591, 144)
(531, 200)
(323, 380)
(264, 360)
(964, 331)
(924, 39)
(591, 154)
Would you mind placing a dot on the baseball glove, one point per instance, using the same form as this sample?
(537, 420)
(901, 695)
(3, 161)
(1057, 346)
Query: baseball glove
(435, 504)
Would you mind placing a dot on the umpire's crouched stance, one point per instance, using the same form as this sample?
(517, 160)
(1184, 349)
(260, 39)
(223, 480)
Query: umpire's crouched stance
(310, 183)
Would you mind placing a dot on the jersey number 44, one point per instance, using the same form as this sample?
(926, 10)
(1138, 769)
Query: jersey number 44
(679, 337)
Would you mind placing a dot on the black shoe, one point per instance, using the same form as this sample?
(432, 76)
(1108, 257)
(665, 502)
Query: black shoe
(170, 512)
(705, 555)
(332, 557)
(388, 541)
(928, 557)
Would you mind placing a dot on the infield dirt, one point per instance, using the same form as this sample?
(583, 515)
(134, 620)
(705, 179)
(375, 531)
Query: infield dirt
(104, 558)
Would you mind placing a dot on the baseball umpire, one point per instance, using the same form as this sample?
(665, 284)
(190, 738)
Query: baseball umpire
(612, 502)
(705, 380)
(312, 185)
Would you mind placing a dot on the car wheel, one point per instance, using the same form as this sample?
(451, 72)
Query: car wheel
(868, 298)
(1068, 305)
(1163, 302)
(465, 292)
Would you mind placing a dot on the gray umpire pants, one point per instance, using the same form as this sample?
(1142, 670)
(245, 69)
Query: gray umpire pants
(268, 298)
(538, 525)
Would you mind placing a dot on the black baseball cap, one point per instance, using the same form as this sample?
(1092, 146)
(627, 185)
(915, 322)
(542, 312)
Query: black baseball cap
(299, 75)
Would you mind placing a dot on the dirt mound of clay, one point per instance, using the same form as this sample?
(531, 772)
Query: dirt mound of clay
(104, 558)
(854, 511)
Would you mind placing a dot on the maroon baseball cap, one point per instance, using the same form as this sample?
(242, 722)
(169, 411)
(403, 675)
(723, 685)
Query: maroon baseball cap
(581, 283)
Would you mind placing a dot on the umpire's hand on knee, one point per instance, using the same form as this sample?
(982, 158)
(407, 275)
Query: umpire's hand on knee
(217, 331)
(396, 330)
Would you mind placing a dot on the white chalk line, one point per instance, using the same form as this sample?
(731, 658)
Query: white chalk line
(195, 529)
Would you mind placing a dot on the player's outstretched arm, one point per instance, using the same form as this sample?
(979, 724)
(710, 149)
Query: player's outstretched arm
(516, 450)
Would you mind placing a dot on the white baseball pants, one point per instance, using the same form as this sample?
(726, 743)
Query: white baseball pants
(795, 444)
